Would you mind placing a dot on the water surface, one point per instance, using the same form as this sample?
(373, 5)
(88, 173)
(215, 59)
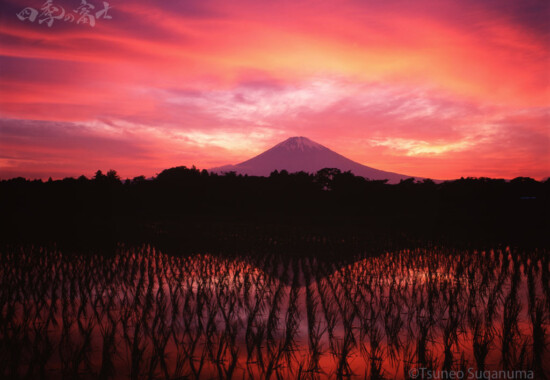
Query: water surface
(143, 314)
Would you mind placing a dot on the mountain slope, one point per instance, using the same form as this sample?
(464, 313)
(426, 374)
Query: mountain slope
(302, 154)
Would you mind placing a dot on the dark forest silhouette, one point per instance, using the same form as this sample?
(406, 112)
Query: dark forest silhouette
(202, 210)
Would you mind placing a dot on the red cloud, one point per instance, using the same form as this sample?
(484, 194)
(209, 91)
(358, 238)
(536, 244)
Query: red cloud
(430, 88)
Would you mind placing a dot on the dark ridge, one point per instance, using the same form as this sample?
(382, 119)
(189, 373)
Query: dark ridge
(298, 213)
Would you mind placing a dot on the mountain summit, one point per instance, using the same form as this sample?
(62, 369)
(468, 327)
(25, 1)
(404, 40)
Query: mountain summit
(298, 143)
(302, 154)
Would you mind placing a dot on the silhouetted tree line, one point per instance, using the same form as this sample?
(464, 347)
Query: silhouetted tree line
(196, 207)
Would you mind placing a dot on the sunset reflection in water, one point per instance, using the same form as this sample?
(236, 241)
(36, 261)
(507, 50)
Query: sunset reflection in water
(145, 314)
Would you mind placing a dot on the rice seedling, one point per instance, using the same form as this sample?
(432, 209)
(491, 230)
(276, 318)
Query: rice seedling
(144, 314)
(539, 321)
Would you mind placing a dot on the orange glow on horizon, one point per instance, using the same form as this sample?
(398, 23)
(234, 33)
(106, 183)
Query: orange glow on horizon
(430, 89)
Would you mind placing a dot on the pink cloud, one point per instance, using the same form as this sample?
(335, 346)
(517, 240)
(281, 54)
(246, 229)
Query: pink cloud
(430, 88)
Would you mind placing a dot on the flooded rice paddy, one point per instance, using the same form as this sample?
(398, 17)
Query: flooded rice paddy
(142, 314)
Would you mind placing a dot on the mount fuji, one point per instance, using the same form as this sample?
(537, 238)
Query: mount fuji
(302, 154)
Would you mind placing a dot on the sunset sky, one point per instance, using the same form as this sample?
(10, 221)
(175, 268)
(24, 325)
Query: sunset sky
(438, 88)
